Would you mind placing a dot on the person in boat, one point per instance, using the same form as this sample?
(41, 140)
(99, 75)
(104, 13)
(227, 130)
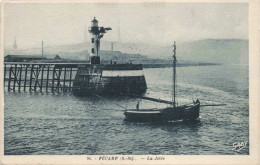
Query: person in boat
(137, 105)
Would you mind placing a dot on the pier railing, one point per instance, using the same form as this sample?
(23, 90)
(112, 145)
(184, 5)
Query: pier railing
(39, 77)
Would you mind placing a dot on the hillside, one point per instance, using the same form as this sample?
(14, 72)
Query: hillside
(208, 50)
(218, 51)
(233, 51)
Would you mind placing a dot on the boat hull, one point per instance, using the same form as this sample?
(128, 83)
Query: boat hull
(164, 115)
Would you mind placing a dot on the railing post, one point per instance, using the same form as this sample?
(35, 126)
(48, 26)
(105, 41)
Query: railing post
(70, 78)
(42, 78)
(36, 78)
(25, 78)
(58, 76)
(4, 74)
(53, 74)
(20, 77)
(31, 77)
(47, 81)
(10, 76)
(15, 76)
(64, 80)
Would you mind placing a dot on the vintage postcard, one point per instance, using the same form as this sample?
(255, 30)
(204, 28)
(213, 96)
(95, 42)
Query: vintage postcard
(129, 82)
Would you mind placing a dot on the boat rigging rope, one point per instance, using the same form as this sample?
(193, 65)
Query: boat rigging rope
(184, 78)
(162, 69)
(104, 99)
(161, 73)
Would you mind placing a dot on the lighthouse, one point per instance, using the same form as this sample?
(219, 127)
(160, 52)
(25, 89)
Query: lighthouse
(98, 78)
(96, 34)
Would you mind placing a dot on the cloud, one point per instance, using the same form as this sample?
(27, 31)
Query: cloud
(151, 23)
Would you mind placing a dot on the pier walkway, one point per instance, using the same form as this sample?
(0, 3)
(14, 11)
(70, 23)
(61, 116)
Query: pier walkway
(39, 77)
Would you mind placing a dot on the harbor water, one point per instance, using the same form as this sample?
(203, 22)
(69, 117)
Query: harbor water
(64, 124)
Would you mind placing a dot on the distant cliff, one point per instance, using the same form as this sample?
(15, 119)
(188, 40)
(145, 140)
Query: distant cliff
(233, 51)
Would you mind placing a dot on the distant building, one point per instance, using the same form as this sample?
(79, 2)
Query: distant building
(114, 60)
(75, 56)
(57, 57)
(22, 58)
(27, 58)
(52, 56)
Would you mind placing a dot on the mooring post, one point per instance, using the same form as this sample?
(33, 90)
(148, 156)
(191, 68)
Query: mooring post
(25, 78)
(10, 76)
(64, 81)
(42, 77)
(15, 76)
(47, 81)
(31, 78)
(70, 78)
(20, 77)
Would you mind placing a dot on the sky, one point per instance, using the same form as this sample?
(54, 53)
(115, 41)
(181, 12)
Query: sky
(149, 23)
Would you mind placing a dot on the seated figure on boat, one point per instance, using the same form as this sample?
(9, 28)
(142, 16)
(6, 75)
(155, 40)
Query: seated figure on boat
(197, 101)
(137, 105)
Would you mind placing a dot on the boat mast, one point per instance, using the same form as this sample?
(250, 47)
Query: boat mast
(174, 74)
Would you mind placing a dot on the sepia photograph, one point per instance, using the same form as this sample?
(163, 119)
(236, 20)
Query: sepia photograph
(126, 82)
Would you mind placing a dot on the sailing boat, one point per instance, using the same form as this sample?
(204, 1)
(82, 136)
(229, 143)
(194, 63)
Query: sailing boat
(171, 113)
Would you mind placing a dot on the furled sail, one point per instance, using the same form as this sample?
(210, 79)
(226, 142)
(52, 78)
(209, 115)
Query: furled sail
(153, 99)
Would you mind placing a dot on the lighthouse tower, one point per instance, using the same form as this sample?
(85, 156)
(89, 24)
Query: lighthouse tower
(94, 58)
(96, 34)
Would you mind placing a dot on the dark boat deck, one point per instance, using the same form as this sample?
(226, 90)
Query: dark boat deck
(185, 112)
